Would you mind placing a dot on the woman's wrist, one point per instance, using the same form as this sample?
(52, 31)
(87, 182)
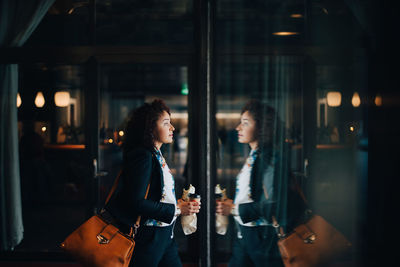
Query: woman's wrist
(177, 211)
(234, 210)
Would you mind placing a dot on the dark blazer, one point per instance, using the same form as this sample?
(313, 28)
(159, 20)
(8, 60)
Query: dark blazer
(140, 166)
(273, 196)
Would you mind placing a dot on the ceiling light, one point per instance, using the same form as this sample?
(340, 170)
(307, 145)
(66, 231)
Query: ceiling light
(62, 98)
(356, 101)
(378, 100)
(285, 33)
(296, 16)
(19, 101)
(39, 100)
(334, 98)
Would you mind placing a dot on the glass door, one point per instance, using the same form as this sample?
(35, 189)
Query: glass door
(275, 81)
(56, 172)
(126, 86)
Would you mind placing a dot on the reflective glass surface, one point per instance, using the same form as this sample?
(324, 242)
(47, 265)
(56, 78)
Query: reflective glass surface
(55, 174)
(154, 23)
(125, 87)
(297, 57)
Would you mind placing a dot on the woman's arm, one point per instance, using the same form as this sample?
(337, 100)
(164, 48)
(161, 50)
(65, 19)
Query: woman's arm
(264, 206)
(137, 177)
(253, 211)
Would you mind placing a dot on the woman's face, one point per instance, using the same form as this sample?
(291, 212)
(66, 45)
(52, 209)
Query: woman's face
(164, 129)
(246, 129)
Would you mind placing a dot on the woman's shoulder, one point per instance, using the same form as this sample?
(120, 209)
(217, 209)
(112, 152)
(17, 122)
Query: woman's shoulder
(139, 152)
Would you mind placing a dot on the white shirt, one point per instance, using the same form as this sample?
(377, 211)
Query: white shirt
(168, 191)
(243, 190)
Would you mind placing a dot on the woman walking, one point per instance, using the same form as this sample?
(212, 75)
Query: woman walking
(261, 190)
(148, 128)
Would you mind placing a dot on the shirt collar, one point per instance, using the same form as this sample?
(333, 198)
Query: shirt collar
(252, 157)
(253, 152)
(158, 151)
(159, 157)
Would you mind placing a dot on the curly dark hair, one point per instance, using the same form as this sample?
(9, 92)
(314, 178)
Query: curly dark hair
(141, 125)
(266, 122)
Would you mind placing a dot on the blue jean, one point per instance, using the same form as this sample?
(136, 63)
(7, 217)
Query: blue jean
(257, 247)
(155, 247)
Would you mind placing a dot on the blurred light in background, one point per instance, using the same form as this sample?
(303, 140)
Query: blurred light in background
(39, 100)
(356, 101)
(285, 33)
(378, 100)
(334, 99)
(62, 98)
(19, 101)
(297, 16)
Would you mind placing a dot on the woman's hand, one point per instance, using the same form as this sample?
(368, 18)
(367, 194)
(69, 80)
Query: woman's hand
(224, 207)
(188, 207)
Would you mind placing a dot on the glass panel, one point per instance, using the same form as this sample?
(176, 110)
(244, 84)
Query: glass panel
(156, 22)
(270, 22)
(275, 81)
(296, 57)
(66, 23)
(125, 87)
(54, 170)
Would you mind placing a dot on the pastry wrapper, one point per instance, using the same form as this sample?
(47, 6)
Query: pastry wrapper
(221, 221)
(189, 222)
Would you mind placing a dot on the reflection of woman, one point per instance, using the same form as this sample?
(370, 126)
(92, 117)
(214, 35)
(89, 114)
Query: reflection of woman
(259, 187)
(149, 128)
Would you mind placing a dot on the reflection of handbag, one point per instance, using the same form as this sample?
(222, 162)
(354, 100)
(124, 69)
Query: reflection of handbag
(99, 243)
(311, 244)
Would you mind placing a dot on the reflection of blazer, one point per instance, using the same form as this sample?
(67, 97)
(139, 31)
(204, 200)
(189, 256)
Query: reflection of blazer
(273, 195)
(140, 166)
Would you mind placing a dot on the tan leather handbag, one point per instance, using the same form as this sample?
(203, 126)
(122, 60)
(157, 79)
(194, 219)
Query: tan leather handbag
(98, 243)
(312, 243)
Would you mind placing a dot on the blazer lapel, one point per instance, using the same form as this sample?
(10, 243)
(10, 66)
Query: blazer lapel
(158, 170)
(256, 178)
(253, 179)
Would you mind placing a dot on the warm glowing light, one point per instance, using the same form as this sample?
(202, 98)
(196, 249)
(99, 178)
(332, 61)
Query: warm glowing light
(39, 100)
(356, 101)
(378, 100)
(62, 98)
(285, 33)
(233, 115)
(351, 128)
(19, 101)
(121, 133)
(334, 99)
(110, 141)
(296, 16)
(44, 129)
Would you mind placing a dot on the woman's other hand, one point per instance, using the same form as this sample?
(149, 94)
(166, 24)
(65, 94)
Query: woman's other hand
(224, 207)
(188, 207)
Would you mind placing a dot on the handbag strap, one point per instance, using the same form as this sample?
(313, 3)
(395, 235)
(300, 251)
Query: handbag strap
(279, 229)
(137, 224)
(114, 187)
